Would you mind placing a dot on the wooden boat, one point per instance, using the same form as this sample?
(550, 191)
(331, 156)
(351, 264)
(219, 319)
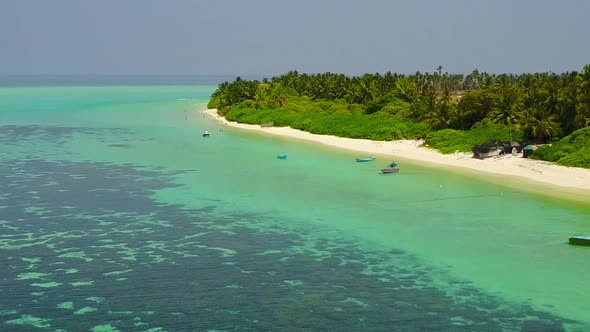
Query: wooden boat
(206, 134)
(580, 240)
(364, 160)
(389, 170)
(282, 156)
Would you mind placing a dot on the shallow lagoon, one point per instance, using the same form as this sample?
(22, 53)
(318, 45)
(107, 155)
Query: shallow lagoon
(116, 214)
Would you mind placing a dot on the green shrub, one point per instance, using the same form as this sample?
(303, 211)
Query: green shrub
(450, 140)
(572, 150)
(331, 118)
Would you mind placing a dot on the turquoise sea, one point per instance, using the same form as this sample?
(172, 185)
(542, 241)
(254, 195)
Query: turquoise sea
(116, 215)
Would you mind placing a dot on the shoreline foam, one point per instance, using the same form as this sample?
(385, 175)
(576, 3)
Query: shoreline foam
(540, 172)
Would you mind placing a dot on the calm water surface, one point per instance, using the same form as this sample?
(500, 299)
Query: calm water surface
(116, 215)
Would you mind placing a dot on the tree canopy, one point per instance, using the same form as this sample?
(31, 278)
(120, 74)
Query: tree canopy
(540, 107)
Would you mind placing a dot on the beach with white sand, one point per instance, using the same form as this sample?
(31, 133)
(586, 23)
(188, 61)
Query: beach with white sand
(541, 172)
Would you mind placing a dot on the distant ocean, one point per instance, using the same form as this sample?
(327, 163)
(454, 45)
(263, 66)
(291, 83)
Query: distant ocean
(98, 80)
(117, 215)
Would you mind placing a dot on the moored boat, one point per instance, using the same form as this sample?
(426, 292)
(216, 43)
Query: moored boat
(580, 240)
(393, 164)
(364, 160)
(389, 170)
(282, 156)
(206, 134)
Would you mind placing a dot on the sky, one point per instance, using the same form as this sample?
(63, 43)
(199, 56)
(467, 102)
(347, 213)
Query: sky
(270, 37)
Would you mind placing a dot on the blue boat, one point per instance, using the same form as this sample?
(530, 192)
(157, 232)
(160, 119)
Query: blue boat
(364, 160)
(282, 156)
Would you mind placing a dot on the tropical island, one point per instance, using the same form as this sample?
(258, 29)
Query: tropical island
(450, 112)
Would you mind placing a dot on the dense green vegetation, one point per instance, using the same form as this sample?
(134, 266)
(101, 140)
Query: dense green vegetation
(326, 118)
(572, 150)
(451, 140)
(452, 112)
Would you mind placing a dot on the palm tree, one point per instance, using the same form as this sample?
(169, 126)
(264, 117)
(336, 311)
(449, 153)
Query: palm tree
(437, 112)
(262, 94)
(540, 124)
(405, 90)
(583, 102)
(549, 94)
(460, 114)
(507, 109)
(220, 98)
(546, 127)
(366, 90)
(278, 95)
(572, 108)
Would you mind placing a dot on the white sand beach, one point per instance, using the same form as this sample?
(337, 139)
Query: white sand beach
(527, 169)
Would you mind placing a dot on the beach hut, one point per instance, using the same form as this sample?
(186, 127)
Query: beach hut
(513, 147)
(488, 149)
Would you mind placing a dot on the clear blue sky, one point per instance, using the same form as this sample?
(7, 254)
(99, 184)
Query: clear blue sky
(267, 37)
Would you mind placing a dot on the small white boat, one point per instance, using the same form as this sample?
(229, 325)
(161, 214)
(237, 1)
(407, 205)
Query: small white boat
(206, 134)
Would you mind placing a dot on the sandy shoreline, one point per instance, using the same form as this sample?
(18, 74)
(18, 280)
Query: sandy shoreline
(528, 169)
